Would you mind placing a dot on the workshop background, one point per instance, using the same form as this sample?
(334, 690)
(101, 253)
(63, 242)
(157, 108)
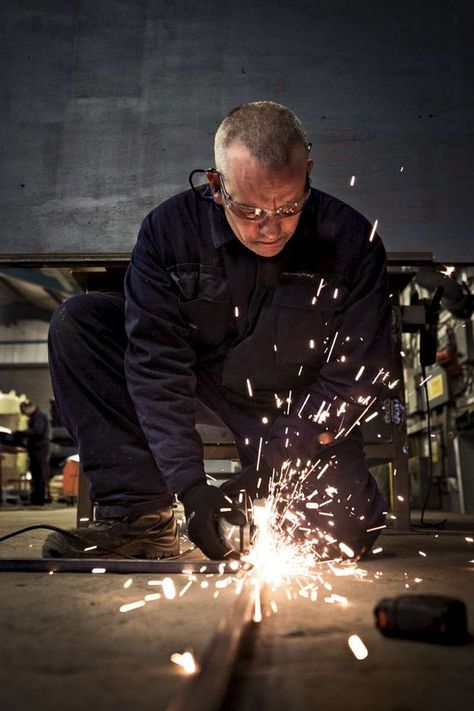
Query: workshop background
(105, 108)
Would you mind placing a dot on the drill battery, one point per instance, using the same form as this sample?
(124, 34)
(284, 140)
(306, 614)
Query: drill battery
(428, 618)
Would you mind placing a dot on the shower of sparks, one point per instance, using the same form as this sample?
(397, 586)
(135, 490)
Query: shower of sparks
(260, 443)
(401, 168)
(448, 271)
(352, 181)
(347, 550)
(185, 588)
(257, 612)
(357, 647)
(303, 405)
(376, 528)
(424, 381)
(332, 346)
(236, 312)
(152, 596)
(169, 590)
(132, 606)
(295, 550)
(99, 570)
(186, 661)
(374, 230)
(334, 598)
(127, 583)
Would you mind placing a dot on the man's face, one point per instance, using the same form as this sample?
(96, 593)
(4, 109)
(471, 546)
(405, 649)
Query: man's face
(250, 183)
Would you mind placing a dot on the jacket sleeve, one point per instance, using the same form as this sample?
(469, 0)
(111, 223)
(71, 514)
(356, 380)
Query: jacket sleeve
(354, 367)
(159, 365)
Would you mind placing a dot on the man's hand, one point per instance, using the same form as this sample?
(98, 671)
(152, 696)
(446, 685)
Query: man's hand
(204, 505)
(254, 482)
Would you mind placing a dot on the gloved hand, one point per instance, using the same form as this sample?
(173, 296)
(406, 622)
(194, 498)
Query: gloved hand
(254, 482)
(204, 505)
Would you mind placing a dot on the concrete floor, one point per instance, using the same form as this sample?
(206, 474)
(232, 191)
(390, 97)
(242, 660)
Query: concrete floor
(65, 645)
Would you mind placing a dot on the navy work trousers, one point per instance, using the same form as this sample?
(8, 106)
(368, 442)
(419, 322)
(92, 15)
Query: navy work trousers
(39, 470)
(87, 345)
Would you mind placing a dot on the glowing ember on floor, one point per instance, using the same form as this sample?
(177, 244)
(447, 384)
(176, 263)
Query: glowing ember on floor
(186, 661)
(357, 647)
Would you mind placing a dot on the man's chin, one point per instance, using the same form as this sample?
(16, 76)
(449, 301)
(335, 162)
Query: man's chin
(269, 249)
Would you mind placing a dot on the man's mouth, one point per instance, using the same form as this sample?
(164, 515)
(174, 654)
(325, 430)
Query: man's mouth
(273, 241)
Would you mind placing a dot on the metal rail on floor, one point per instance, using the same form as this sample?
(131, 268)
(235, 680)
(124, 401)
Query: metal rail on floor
(66, 565)
(207, 689)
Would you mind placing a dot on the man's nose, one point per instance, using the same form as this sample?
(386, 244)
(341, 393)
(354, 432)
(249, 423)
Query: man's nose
(270, 227)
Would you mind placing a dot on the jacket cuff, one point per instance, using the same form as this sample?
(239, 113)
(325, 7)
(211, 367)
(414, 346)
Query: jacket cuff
(182, 492)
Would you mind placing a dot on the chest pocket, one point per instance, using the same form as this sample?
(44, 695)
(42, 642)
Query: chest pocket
(204, 301)
(305, 321)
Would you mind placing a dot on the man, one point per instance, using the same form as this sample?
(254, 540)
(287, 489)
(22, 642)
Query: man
(261, 300)
(37, 444)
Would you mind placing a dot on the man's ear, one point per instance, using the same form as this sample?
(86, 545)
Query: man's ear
(309, 166)
(215, 184)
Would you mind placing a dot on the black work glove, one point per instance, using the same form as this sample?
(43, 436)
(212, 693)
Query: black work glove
(255, 483)
(203, 506)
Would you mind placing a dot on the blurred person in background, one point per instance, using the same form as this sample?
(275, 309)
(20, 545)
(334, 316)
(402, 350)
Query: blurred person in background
(36, 441)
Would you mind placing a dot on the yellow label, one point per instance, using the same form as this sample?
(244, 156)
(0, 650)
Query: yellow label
(435, 387)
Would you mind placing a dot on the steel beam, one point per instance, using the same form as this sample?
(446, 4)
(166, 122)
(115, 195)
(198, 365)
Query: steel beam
(72, 565)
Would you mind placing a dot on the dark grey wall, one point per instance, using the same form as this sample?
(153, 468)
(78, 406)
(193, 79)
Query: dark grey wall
(107, 104)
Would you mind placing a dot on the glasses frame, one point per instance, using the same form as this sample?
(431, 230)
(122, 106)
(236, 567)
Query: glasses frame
(238, 209)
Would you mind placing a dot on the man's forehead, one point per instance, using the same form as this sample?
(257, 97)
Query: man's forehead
(238, 158)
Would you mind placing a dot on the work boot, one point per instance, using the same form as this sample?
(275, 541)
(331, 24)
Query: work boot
(151, 536)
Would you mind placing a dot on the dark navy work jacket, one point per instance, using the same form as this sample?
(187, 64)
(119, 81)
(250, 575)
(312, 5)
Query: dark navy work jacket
(37, 433)
(303, 337)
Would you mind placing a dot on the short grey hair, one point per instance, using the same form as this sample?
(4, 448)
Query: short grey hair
(269, 131)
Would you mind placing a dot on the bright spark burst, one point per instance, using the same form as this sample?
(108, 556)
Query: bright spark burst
(186, 661)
